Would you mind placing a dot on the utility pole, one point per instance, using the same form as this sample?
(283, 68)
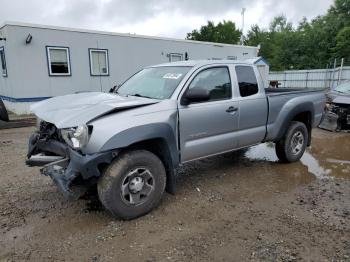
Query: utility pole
(333, 75)
(242, 37)
(340, 71)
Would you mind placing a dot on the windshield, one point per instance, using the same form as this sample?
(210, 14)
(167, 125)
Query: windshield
(343, 88)
(154, 82)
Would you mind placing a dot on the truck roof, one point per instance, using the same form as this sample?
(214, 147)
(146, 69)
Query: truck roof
(193, 63)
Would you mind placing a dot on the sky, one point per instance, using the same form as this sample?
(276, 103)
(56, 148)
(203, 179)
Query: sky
(167, 18)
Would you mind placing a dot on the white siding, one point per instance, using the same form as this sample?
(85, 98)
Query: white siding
(27, 65)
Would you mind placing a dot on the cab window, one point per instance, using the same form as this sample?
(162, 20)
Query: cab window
(216, 80)
(247, 83)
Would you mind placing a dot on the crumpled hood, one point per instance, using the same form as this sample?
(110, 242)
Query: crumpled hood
(336, 97)
(73, 110)
(342, 100)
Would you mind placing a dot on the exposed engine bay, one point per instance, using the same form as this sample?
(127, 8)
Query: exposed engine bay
(47, 141)
(337, 117)
(71, 170)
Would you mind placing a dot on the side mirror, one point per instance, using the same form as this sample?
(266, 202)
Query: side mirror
(195, 94)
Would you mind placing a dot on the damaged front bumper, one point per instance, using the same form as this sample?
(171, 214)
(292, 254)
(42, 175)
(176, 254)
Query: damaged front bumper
(72, 171)
(329, 121)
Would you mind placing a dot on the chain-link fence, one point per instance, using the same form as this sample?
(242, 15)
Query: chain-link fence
(315, 78)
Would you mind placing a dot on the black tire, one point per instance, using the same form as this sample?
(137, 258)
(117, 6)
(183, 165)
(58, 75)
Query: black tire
(285, 150)
(115, 186)
(3, 112)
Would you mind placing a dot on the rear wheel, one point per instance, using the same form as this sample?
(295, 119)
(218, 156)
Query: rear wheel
(293, 144)
(133, 184)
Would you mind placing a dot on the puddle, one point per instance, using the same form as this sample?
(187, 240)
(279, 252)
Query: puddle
(267, 152)
(314, 166)
(319, 159)
(262, 152)
(258, 170)
(337, 161)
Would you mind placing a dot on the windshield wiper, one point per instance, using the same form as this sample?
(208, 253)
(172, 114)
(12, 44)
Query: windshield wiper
(138, 95)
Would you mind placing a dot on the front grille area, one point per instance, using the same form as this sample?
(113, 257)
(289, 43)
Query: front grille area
(343, 113)
(49, 131)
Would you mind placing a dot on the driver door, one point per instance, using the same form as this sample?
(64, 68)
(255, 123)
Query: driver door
(208, 128)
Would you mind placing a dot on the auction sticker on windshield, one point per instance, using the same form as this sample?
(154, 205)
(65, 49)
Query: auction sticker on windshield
(172, 76)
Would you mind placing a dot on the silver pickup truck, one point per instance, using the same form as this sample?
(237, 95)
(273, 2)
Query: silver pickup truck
(130, 142)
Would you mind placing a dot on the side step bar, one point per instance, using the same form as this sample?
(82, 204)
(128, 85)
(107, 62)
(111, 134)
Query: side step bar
(42, 160)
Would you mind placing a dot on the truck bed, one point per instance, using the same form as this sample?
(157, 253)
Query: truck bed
(282, 100)
(284, 91)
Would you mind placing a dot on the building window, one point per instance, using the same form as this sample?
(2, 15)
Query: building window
(3, 61)
(232, 57)
(99, 62)
(58, 61)
(175, 57)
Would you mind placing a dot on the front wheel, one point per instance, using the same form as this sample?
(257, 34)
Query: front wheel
(133, 184)
(293, 144)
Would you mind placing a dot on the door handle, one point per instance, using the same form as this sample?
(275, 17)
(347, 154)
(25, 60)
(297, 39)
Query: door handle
(231, 109)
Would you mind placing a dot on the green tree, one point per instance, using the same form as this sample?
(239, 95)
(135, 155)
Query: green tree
(309, 45)
(342, 47)
(278, 45)
(257, 36)
(224, 32)
(280, 24)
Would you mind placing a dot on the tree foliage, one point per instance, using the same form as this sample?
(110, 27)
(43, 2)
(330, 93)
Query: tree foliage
(342, 46)
(224, 32)
(310, 44)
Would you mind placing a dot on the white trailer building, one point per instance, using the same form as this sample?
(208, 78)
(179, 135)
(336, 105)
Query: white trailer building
(38, 61)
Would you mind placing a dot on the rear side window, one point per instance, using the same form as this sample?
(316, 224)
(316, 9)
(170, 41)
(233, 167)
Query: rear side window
(248, 85)
(216, 80)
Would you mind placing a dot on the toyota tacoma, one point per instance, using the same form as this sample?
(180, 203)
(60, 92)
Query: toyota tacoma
(130, 142)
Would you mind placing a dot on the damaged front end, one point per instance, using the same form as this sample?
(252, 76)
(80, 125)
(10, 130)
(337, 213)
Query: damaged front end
(73, 171)
(337, 117)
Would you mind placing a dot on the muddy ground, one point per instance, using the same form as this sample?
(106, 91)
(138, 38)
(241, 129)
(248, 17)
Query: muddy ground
(242, 206)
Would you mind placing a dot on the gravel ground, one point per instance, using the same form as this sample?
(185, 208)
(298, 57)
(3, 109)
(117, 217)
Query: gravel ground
(242, 206)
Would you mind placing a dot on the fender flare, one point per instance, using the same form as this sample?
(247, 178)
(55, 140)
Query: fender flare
(300, 108)
(145, 132)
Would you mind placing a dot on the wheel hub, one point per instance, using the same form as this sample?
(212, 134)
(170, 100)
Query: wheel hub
(136, 184)
(297, 142)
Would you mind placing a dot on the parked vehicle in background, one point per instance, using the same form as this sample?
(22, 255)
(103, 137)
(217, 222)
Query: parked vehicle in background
(130, 142)
(337, 116)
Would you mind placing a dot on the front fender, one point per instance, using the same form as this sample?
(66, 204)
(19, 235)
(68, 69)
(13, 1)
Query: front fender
(145, 132)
